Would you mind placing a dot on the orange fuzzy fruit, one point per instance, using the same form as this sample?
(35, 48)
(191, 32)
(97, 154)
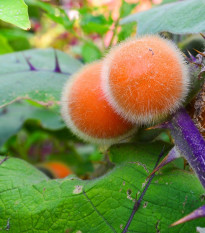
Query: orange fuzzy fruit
(87, 112)
(57, 169)
(145, 79)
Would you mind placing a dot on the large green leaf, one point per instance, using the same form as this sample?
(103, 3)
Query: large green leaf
(15, 12)
(178, 17)
(13, 116)
(18, 80)
(34, 204)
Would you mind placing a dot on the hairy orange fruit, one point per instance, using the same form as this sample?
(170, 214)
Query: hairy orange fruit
(87, 112)
(57, 169)
(145, 79)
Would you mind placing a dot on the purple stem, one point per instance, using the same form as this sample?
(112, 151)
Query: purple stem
(189, 142)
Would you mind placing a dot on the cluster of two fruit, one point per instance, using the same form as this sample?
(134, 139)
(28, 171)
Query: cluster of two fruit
(139, 82)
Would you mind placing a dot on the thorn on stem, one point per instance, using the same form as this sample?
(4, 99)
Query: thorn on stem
(191, 58)
(164, 125)
(57, 65)
(173, 154)
(32, 68)
(202, 35)
(198, 213)
(202, 54)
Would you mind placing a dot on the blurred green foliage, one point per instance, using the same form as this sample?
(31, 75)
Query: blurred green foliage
(5, 47)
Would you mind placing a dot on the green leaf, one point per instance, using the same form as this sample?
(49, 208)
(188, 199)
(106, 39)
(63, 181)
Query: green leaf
(55, 13)
(14, 33)
(17, 38)
(21, 174)
(94, 24)
(178, 18)
(15, 12)
(17, 80)
(5, 47)
(168, 1)
(126, 8)
(126, 31)
(90, 52)
(13, 117)
(128, 152)
(99, 205)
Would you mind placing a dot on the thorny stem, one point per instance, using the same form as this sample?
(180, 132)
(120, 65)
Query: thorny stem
(116, 24)
(189, 142)
(138, 202)
(114, 33)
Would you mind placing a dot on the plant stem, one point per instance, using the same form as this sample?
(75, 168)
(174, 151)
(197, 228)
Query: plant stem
(138, 202)
(189, 142)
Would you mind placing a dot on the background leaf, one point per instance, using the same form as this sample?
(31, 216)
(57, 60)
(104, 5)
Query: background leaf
(178, 18)
(55, 13)
(12, 118)
(126, 8)
(5, 47)
(17, 38)
(15, 12)
(43, 84)
(100, 205)
(90, 52)
(94, 24)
